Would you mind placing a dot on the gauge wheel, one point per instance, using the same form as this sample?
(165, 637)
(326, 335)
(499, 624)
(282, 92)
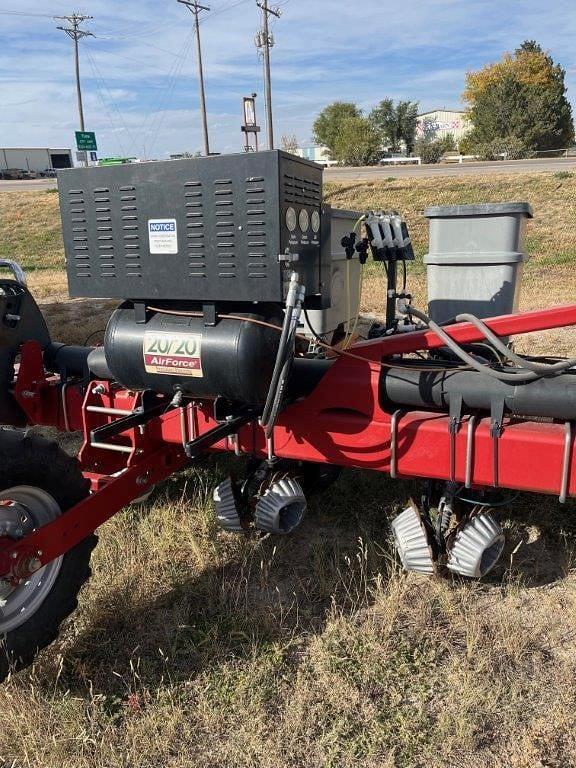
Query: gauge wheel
(38, 482)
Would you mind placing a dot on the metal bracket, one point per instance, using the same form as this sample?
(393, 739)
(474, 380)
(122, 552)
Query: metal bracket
(140, 312)
(454, 427)
(209, 314)
(136, 419)
(566, 462)
(470, 451)
(196, 448)
(496, 430)
(394, 422)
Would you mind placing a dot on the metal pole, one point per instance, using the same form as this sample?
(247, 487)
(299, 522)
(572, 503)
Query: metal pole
(202, 93)
(78, 86)
(265, 41)
(77, 34)
(267, 78)
(195, 8)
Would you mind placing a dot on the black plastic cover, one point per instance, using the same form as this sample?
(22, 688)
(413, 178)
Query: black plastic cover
(205, 229)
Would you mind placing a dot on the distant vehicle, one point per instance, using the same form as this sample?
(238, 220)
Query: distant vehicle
(12, 174)
(117, 161)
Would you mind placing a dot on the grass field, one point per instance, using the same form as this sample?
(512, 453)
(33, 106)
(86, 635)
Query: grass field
(195, 648)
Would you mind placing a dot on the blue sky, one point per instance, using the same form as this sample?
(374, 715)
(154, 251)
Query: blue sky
(139, 71)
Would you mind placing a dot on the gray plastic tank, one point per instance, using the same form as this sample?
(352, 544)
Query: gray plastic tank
(476, 258)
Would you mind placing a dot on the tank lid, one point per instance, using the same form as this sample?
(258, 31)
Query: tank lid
(479, 209)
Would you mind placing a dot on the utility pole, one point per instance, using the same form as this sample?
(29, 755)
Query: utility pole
(195, 8)
(76, 34)
(264, 40)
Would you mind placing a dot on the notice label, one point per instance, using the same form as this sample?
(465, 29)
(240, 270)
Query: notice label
(163, 236)
(171, 354)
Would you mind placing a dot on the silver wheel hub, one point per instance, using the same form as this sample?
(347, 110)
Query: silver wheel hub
(22, 510)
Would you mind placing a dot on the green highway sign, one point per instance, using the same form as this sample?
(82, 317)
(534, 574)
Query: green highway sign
(86, 141)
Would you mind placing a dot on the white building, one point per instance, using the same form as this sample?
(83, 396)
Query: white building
(34, 159)
(316, 154)
(440, 123)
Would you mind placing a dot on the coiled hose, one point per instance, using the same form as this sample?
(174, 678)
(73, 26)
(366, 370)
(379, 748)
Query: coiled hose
(496, 342)
(520, 374)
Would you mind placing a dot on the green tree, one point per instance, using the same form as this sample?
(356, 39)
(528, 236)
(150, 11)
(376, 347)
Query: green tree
(523, 97)
(396, 123)
(357, 143)
(328, 124)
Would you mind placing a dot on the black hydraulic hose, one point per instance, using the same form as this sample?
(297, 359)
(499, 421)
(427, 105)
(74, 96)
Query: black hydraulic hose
(519, 376)
(280, 395)
(543, 368)
(279, 364)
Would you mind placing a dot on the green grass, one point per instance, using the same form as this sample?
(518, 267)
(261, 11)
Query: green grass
(553, 198)
(30, 230)
(30, 221)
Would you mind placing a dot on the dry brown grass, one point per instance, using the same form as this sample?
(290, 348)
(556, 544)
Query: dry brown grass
(193, 647)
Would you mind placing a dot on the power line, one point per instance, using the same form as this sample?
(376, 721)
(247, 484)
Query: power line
(23, 13)
(99, 76)
(104, 104)
(226, 8)
(75, 33)
(131, 35)
(157, 118)
(151, 117)
(161, 115)
(195, 8)
(264, 41)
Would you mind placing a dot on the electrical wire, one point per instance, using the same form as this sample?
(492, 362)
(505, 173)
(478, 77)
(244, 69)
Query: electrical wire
(350, 334)
(348, 304)
(113, 35)
(321, 343)
(154, 120)
(218, 11)
(24, 13)
(104, 104)
(130, 134)
(357, 320)
(95, 333)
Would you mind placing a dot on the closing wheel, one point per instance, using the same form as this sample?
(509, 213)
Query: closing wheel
(38, 481)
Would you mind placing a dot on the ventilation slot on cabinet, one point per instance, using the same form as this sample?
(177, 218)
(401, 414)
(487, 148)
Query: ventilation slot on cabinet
(256, 229)
(225, 228)
(102, 247)
(302, 191)
(81, 257)
(194, 197)
(131, 260)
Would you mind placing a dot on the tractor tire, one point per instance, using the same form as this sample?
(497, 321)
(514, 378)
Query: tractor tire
(38, 481)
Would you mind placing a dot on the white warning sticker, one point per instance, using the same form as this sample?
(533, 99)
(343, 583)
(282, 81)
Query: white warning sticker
(163, 236)
(172, 354)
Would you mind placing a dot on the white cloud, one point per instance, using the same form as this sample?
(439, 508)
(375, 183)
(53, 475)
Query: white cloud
(325, 50)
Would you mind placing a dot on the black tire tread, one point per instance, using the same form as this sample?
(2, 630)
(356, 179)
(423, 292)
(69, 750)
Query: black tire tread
(27, 458)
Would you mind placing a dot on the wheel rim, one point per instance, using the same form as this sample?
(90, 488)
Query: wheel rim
(22, 510)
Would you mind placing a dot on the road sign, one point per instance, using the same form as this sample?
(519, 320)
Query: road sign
(86, 141)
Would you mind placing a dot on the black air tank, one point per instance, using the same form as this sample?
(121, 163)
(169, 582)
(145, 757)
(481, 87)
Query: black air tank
(168, 353)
